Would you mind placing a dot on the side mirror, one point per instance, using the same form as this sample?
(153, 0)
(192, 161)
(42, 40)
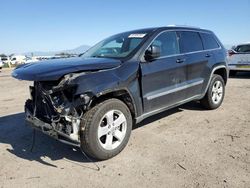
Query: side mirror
(152, 53)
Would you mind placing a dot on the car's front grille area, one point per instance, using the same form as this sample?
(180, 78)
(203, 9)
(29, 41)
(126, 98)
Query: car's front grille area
(43, 107)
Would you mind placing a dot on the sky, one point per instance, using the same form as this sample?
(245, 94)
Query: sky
(52, 25)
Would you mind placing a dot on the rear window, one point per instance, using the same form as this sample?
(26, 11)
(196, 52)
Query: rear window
(243, 48)
(190, 41)
(209, 41)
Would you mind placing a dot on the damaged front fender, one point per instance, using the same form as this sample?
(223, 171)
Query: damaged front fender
(57, 107)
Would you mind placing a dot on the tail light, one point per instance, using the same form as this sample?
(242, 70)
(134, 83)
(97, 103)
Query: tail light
(231, 53)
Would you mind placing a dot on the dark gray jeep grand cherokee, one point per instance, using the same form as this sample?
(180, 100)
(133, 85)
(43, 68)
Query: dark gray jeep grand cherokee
(94, 100)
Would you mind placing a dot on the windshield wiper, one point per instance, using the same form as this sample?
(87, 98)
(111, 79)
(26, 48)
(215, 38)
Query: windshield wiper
(98, 56)
(81, 54)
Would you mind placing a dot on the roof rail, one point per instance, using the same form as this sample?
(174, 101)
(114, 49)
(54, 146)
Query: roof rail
(186, 26)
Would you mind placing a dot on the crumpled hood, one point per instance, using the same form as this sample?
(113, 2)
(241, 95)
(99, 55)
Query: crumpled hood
(55, 69)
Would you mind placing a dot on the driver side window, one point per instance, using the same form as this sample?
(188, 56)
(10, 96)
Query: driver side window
(168, 44)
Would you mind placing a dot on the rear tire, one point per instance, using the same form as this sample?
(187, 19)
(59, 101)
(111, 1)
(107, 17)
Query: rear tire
(215, 93)
(105, 129)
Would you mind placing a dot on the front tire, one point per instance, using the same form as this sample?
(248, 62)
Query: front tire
(105, 129)
(215, 93)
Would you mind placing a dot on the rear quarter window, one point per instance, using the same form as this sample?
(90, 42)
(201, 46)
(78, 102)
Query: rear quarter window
(190, 41)
(209, 41)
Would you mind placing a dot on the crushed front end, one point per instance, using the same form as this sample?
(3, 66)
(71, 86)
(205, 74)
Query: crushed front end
(55, 110)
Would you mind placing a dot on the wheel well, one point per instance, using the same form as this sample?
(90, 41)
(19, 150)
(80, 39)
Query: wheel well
(122, 95)
(223, 73)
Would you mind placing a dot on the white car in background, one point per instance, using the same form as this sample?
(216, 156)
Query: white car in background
(1, 64)
(239, 58)
(30, 60)
(5, 59)
(18, 59)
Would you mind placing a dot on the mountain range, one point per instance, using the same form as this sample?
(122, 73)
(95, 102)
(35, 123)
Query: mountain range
(77, 50)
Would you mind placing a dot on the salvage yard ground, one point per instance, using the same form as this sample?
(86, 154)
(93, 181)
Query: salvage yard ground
(183, 147)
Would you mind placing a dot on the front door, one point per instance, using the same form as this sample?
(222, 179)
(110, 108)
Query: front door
(164, 79)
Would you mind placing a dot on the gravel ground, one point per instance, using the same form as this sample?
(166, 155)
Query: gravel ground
(183, 147)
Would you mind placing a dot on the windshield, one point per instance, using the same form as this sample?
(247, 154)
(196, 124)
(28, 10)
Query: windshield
(118, 46)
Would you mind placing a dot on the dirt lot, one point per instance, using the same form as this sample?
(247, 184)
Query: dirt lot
(183, 147)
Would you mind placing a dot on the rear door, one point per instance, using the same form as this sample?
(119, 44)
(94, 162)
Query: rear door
(197, 61)
(243, 55)
(163, 79)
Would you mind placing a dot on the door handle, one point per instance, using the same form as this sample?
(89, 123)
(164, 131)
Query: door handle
(180, 60)
(207, 55)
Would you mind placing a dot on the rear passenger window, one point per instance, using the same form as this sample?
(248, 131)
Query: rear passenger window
(168, 44)
(190, 41)
(209, 41)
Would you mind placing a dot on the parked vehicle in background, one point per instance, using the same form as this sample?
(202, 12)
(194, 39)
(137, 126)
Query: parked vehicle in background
(18, 59)
(5, 59)
(30, 60)
(1, 64)
(239, 58)
(93, 101)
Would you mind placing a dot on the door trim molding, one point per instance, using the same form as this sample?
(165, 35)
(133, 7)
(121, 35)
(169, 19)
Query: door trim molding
(148, 114)
(171, 89)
